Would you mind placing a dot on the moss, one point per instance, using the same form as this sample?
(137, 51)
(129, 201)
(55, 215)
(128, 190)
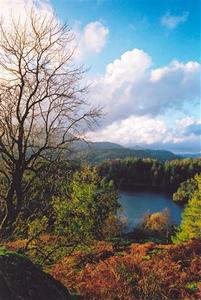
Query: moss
(6, 252)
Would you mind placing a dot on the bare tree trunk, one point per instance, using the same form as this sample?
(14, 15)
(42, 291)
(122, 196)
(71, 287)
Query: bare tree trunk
(12, 209)
(9, 212)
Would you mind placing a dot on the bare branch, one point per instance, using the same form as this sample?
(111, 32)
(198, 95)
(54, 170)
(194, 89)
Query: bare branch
(42, 99)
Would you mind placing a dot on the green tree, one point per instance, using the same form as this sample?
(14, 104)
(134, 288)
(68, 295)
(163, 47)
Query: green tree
(72, 216)
(191, 220)
(185, 191)
(92, 200)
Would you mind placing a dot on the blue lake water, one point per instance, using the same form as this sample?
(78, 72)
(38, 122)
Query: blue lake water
(135, 204)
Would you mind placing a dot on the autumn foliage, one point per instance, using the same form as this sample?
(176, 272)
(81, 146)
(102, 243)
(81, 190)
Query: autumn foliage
(142, 271)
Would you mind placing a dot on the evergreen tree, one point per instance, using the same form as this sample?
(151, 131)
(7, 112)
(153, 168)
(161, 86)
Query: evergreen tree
(191, 220)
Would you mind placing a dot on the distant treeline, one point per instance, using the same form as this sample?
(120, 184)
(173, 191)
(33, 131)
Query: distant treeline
(132, 172)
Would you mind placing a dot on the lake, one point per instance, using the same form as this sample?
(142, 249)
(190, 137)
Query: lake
(135, 204)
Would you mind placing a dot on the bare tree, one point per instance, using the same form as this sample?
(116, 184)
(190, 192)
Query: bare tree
(42, 105)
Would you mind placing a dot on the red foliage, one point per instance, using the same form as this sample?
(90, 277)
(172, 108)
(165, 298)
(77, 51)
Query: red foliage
(141, 249)
(16, 245)
(145, 271)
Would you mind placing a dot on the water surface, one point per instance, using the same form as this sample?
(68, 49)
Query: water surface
(135, 204)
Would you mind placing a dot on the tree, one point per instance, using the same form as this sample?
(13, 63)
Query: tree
(42, 103)
(185, 191)
(92, 200)
(191, 219)
(69, 217)
(157, 223)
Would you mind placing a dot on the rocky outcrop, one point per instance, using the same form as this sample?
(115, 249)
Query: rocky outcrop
(20, 279)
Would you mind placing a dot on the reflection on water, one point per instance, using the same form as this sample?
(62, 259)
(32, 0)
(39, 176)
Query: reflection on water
(136, 204)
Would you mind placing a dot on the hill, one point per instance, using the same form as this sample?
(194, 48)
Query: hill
(96, 152)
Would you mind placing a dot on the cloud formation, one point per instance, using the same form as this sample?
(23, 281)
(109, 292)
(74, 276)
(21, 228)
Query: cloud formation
(135, 96)
(152, 133)
(18, 9)
(91, 39)
(172, 21)
(133, 93)
(132, 130)
(131, 86)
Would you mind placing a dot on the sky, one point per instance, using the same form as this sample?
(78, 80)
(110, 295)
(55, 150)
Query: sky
(143, 61)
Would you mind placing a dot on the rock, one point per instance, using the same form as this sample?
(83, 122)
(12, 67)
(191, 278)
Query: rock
(20, 279)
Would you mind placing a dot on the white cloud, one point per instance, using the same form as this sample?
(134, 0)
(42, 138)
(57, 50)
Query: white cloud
(130, 67)
(189, 126)
(174, 67)
(150, 132)
(91, 39)
(135, 96)
(18, 12)
(172, 21)
(132, 130)
(184, 122)
(94, 36)
(17, 9)
(131, 86)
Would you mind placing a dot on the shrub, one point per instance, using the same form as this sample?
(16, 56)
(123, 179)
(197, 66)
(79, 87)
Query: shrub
(157, 224)
(168, 272)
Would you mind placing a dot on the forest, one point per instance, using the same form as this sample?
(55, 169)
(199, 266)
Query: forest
(69, 226)
(132, 172)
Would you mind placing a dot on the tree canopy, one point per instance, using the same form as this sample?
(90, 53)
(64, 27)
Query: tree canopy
(133, 171)
(42, 102)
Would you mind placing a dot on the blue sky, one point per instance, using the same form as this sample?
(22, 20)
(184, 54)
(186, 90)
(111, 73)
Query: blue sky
(137, 24)
(166, 31)
(144, 66)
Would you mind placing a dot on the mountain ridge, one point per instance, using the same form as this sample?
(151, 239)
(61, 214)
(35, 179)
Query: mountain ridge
(96, 152)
